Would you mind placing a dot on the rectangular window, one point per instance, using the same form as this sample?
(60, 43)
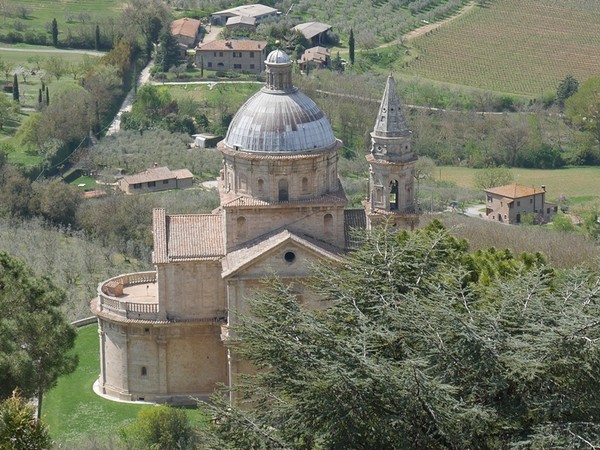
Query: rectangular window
(165, 181)
(237, 66)
(252, 66)
(209, 64)
(220, 53)
(518, 203)
(151, 183)
(214, 54)
(251, 54)
(530, 200)
(137, 186)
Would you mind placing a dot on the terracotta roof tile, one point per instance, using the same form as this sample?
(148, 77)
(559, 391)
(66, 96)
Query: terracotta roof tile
(187, 237)
(515, 190)
(353, 219)
(157, 174)
(185, 27)
(233, 45)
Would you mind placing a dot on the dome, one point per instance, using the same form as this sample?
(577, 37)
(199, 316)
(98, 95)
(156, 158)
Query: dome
(278, 57)
(279, 118)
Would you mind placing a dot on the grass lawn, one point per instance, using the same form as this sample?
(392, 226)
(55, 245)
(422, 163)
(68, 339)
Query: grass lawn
(73, 15)
(579, 184)
(223, 98)
(513, 46)
(73, 411)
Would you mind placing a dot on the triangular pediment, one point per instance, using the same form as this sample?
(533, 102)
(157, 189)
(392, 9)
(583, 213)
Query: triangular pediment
(281, 253)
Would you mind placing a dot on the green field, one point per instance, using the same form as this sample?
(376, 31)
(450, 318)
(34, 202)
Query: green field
(513, 46)
(73, 15)
(578, 184)
(73, 412)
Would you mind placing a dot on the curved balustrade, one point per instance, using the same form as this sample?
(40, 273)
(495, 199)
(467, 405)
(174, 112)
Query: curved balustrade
(122, 307)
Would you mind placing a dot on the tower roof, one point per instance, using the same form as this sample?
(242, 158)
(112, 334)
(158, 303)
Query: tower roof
(390, 120)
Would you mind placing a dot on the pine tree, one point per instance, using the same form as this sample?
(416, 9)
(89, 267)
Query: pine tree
(351, 46)
(423, 346)
(15, 88)
(54, 32)
(168, 51)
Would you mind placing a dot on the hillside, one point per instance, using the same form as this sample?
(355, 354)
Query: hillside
(513, 46)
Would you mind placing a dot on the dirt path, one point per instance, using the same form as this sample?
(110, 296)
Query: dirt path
(430, 27)
(52, 50)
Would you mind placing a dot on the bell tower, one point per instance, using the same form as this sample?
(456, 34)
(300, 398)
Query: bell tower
(391, 166)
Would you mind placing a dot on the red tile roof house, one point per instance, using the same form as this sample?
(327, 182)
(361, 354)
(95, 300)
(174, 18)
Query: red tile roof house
(316, 57)
(186, 31)
(156, 179)
(237, 55)
(508, 204)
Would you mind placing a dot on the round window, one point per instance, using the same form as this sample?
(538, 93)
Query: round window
(289, 257)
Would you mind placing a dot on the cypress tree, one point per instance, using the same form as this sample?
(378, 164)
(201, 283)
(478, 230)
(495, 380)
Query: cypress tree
(40, 97)
(54, 32)
(351, 46)
(47, 96)
(201, 66)
(15, 88)
(97, 41)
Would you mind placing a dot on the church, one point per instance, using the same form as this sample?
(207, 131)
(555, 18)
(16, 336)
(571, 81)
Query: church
(282, 208)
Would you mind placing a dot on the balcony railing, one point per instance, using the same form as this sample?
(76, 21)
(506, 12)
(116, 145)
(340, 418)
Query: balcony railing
(110, 292)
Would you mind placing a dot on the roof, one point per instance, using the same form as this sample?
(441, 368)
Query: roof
(279, 118)
(515, 190)
(319, 54)
(247, 10)
(390, 119)
(312, 29)
(186, 237)
(237, 45)
(185, 27)
(241, 20)
(354, 219)
(157, 174)
(257, 248)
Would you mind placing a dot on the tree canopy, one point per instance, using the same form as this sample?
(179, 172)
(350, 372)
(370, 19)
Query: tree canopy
(419, 350)
(34, 335)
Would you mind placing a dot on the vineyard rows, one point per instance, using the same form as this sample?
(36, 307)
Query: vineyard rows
(514, 46)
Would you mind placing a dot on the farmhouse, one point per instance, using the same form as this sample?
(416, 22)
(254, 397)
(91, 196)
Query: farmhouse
(315, 57)
(156, 179)
(185, 31)
(257, 12)
(241, 23)
(313, 31)
(508, 204)
(282, 208)
(237, 55)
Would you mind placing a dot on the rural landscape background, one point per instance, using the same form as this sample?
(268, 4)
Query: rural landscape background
(481, 85)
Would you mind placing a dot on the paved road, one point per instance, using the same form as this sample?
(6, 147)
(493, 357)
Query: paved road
(126, 105)
(51, 50)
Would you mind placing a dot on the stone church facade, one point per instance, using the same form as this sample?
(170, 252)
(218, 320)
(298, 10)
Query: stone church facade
(282, 207)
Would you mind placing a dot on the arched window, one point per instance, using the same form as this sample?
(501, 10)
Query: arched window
(261, 185)
(304, 185)
(144, 371)
(283, 190)
(394, 194)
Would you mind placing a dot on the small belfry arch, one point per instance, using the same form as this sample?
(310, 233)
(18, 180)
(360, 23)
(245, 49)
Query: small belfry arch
(393, 196)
